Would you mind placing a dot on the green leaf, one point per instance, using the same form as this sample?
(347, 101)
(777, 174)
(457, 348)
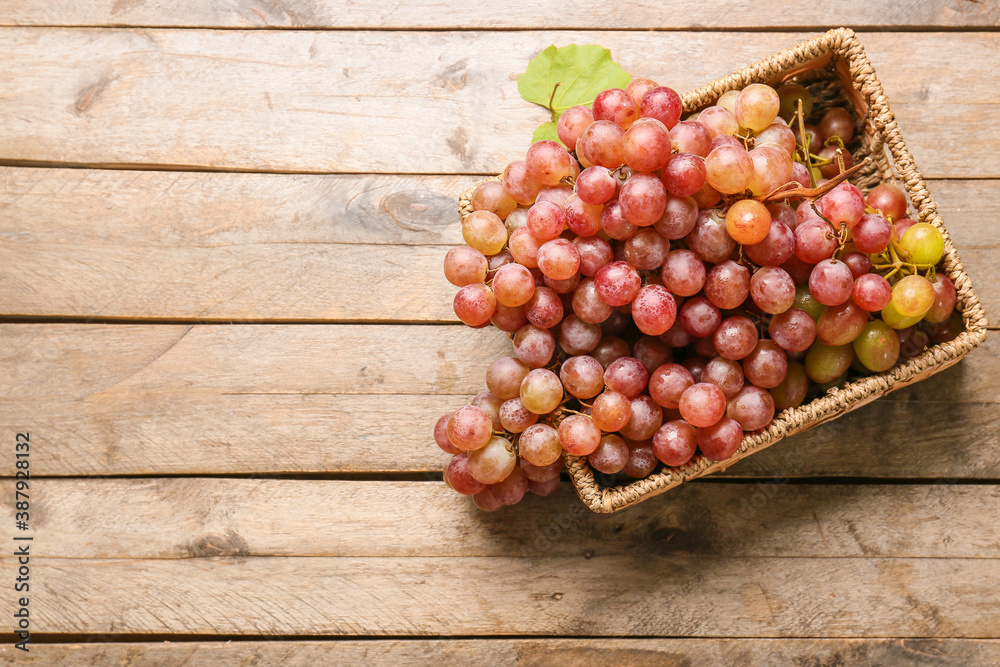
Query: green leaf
(581, 72)
(546, 131)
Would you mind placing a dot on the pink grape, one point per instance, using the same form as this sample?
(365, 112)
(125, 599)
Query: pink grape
(547, 162)
(728, 169)
(441, 435)
(508, 319)
(558, 259)
(652, 353)
(663, 104)
(474, 304)
(794, 330)
(702, 404)
(582, 376)
(464, 266)
(544, 309)
(615, 105)
(830, 153)
(600, 144)
(492, 196)
(541, 391)
(646, 418)
(727, 285)
(539, 446)
(533, 346)
(514, 417)
(460, 478)
(776, 248)
(757, 107)
(595, 253)
(735, 338)
(572, 123)
(524, 247)
(642, 199)
(683, 273)
(684, 174)
(637, 88)
(679, 217)
(513, 285)
(617, 283)
(772, 289)
(719, 121)
(611, 410)
(872, 233)
(767, 365)
(772, 168)
(595, 185)
(611, 455)
(577, 336)
(831, 282)
(469, 428)
(843, 205)
(556, 194)
(582, 218)
(709, 238)
(654, 310)
(546, 220)
(588, 304)
(721, 440)
(504, 377)
(872, 292)
(646, 250)
(646, 145)
(519, 184)
(626, 375)
(752, 407)
(889, 199)
(839, 325)
(675, 443)
(725, 374)
(836, 122)
(945, 298)
(493, 462)
(578, 435)
(700, 317)
(814, 241)
(642, 461)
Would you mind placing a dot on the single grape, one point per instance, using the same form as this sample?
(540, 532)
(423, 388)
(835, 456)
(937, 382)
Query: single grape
(836, 122)
(546, 220)
(646, 418)
(441, 434)
(558, 259)
(748, 221)
(511, 489)
(519, 184)
(642, 461)
(652, 353)
(872, 233)
(611, 455)
(872, 292)
(600, 144)
(654, 310)
(702, 404)
(578, 337)
(493, 462)
(877, 347)
(721, 440)
(544, 309)
(804, 300)
(539, 445)
(504, 377)
(793, 389)
(485, 501)
(464, 266)
(889, 199)
(544, 489)
(513, 285)
(691, 137)
(547, 162)
(572, 123)
(725, 374)
(469, 428)
(945, 298)
(588, 304)
(772, 289)
(663, 104)
(684, 174)
(541, 391)
(627, 376)
(752, 408)
(617, 106)
(913, 296)
(524, 247)
(474, 304)
(825, 363)
(611, 411)
(707, 196)
(841, 324)
(772, 168)
(556, 194)
(831, 282)
(460, 478)
(728, 169)
(896, 320)
(489, 403)
(779, 134)
(676, 336)
(485, 232)
(767, 365)
(595, 253)
(776, 248)
(683, 273)
(578, 435)
(844, 205)
(814, 241)
(643, 199)
(727, 285)
(533, 346)
(913, 341)
(679, 217)
(596, 185)
(540, 472)
(610, 348)
(646, 250)
(675, 442)
(794, 330)
(582, 376)
(514, 417)
(700, 317)
(923, 243)
(582, 218)
(617, 283)
(491, 196)
(789, 95)
(719, 121)
(831, 153)
(735, 338)
(508, 319)
(646, 145)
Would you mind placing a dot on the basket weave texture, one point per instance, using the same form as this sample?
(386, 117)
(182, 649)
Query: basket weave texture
(835, 68)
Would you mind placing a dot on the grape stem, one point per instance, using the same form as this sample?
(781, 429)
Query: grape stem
(800, 115)
(780, 192)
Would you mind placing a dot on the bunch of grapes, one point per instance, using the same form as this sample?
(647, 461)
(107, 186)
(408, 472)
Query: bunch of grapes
(669, 285)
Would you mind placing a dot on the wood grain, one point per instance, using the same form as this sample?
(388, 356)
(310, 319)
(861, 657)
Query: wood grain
(209, 518)
(645, 595)
(418, 102)
(713, 14)
(575, 651)
(223, 247)
(155, 399)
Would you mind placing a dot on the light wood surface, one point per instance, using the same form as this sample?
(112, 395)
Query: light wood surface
(225, 326)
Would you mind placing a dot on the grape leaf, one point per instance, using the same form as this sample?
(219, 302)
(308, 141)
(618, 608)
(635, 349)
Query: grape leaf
(546, 131)
(559, 78)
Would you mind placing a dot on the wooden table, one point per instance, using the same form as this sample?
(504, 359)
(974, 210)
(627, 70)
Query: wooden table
(226, 330)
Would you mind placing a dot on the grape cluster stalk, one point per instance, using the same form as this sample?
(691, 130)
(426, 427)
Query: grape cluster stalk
(669, 285)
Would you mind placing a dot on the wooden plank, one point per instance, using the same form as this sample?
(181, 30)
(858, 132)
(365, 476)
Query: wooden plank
(647, 595)
(223, 247)
(159, 399)
(529, 652)
(436, 14)
(210, 517)
(349, 101)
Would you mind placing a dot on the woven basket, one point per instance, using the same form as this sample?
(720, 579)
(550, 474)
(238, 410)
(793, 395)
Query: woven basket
(837, 71)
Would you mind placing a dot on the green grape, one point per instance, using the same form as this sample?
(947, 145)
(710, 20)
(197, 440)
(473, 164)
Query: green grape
(912, 296)
(892, 317)
(826, 363)
(789, 96)
(793, 389)
(804, 300)
(924, 243)
(877, 347)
